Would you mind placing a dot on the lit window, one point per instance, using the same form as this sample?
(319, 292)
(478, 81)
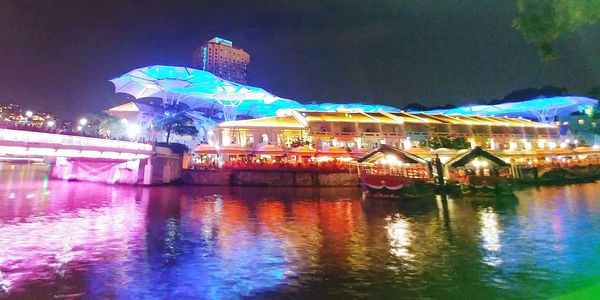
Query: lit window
(581, 121)
(565, 123)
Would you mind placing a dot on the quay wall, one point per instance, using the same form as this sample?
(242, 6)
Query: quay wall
(578, 170)
(269, 178)
(163, 167)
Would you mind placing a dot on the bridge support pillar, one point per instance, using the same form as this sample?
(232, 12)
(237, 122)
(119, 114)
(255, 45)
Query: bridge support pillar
(162, 168)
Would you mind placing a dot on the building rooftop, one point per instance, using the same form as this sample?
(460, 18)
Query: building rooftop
(279, 122)
(296, 120)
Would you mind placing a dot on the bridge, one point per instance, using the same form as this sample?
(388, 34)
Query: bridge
(91, 159)
(26, 144)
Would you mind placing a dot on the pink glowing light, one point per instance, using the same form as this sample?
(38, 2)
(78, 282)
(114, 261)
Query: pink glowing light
(61, 140)
(41, 246)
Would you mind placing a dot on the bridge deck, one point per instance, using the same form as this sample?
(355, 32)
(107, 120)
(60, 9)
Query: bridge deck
(40, 144)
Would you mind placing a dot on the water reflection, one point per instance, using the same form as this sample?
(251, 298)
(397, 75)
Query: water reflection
(490, 235)
(399, 234)
(66, 239)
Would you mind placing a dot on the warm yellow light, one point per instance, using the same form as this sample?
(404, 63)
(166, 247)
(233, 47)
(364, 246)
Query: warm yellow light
(323, 158)
(344, 159)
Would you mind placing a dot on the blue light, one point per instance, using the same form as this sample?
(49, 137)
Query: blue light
(204, 53)
(200, 89)
(543, 109)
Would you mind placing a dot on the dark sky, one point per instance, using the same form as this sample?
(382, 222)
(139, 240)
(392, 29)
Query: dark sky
(58, 55)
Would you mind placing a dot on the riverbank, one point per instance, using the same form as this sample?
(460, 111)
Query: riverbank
(562, 176)
(312, 178)
(269, 178)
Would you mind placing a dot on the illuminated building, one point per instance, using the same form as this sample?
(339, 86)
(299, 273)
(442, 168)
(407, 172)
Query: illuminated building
(13, 114)
(581, 127)
(135, 112)
(355, 130)
(287, 123)
(219, 57)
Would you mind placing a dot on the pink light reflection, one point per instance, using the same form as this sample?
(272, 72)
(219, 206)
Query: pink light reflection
(39, 247)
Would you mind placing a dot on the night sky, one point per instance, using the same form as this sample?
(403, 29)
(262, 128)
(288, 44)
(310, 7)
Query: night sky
(59, 55)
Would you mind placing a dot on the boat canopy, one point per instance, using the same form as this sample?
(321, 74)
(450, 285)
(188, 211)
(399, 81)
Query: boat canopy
(477, 152)
(384, 151)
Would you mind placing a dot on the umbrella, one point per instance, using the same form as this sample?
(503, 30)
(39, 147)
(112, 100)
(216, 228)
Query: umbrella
(159, 81)
(233, 149)
(206, 149)
(200, 89)
(268, 149)
(234, 98)
(542, 109)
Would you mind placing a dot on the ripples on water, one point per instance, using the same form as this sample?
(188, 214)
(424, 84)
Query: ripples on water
(68, 239)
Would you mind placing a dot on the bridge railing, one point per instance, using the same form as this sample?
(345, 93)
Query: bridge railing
(32, 137)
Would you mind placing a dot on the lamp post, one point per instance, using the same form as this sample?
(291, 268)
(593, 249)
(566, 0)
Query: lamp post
(82, 124)
(133, 130)
(28, 115)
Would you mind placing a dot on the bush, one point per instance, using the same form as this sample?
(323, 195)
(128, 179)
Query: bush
(437, 142)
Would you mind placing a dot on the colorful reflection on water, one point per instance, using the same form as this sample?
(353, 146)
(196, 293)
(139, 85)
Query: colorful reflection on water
(76, 239)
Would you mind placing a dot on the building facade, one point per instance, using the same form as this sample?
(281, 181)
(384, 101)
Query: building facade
(353, 130)
(219, 57)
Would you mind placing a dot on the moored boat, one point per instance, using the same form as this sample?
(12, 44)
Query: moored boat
(388, 172)
(392, 186)
(479, 173)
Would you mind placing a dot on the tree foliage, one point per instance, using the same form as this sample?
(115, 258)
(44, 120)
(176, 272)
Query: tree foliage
(176, 121)
(436, 142)
(543, 22)
(594, 92)
(104, 125)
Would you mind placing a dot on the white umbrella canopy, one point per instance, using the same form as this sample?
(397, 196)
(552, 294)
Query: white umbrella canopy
(200, 89)
(159, 81)
(233, 98)
(543, 109)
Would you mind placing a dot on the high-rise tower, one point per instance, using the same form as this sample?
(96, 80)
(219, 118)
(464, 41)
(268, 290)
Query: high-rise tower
(219, 57)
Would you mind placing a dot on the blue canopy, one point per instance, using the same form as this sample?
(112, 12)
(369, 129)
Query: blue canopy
(542, 109)
(202, 89)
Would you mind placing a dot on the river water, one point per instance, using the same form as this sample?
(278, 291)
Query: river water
(84, 240)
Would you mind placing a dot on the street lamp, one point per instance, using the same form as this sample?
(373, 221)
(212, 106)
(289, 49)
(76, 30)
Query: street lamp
(79, 128)
(83, 121)
(50, 123)
(133, 130)
(29, 114)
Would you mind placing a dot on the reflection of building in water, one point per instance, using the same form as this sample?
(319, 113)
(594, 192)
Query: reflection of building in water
(306, 226)
(229, 255)
(490, 236)
(399, 235)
